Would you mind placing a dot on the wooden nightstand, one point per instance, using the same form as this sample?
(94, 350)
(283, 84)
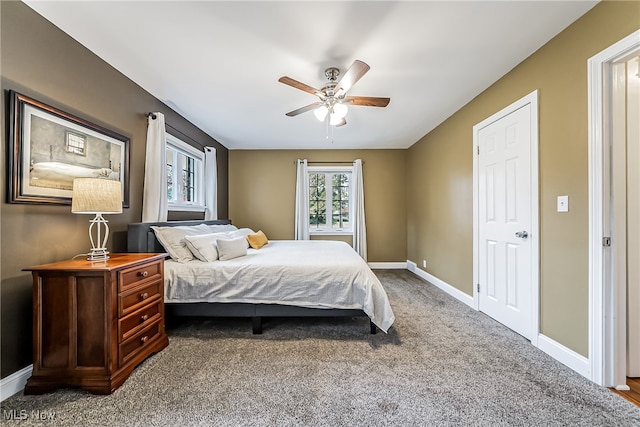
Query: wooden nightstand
(94, 322)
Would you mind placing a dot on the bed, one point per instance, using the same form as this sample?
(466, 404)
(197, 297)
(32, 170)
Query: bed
(282, 279)
(61, 175)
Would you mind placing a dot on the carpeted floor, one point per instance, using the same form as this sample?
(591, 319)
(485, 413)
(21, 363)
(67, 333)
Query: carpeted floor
(442, 364)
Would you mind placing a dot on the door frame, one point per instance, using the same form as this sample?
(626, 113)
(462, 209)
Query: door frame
(534, 235)
(607, 340)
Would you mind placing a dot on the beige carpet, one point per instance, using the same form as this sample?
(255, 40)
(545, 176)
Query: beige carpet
(442, 364)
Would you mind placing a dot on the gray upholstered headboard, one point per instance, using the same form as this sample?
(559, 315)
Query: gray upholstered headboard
(141, 238)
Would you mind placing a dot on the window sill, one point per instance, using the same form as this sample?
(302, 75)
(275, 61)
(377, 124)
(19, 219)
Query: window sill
(186, 208)
(331, 233)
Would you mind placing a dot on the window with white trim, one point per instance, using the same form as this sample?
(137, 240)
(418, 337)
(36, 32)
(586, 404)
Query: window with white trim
(185, 176)
(330, 206)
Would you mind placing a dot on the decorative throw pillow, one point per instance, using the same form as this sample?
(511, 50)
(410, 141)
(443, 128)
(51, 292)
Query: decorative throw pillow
(257, 240)
(204, 246)
(172, 239)
(232, 248)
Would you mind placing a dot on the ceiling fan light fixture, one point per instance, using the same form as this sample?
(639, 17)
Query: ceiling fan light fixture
(340, 110)
(332, 97)
(335, 120)
(321, 113)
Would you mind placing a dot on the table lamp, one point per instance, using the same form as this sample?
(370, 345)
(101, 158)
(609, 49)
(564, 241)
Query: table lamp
(97, 196)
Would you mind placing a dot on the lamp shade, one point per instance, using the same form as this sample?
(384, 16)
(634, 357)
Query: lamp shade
(94, 195)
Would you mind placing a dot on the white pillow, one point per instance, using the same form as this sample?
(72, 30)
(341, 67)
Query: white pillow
(220, 228)
(172, 239)
(204, 246)
(232, 248)
(243, 232)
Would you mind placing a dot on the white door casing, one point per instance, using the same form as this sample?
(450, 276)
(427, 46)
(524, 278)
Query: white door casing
(506, 240)
(607, 298)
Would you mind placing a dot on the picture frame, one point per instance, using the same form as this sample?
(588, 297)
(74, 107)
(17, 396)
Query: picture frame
(48, 148)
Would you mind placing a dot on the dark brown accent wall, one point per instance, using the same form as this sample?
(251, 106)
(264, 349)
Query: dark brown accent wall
(40, 61)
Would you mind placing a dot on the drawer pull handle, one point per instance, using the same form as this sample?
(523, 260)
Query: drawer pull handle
(143, 273)
(144, 317)
(144, 295)
(144, 339)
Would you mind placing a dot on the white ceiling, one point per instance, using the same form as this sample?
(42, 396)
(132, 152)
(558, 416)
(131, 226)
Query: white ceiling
(217, 63)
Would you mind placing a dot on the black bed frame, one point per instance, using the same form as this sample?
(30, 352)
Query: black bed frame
(141, 238)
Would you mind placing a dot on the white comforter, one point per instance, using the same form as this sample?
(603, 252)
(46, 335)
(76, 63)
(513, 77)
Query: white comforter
(303, 273)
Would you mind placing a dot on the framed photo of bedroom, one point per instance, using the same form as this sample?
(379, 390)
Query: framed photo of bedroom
(49, 148)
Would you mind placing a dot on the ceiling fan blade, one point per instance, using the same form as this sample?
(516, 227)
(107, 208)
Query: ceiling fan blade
(298, 85)
(367, 101)
(304, 109)
(342, 123)
(353, 74)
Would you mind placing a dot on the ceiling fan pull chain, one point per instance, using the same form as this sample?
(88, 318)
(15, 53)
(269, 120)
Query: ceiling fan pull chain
(329, 137)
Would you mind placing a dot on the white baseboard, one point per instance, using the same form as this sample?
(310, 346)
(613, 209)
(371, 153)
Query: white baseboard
(565, 355)
(14, 383)
(388, 265)
(454, 292)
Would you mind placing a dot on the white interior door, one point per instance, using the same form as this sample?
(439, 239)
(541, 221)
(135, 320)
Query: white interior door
(505, 220)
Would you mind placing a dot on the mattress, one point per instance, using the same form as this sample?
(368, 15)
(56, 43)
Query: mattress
(303, 273)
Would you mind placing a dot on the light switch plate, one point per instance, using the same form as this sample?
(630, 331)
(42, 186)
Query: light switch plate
(563, 203)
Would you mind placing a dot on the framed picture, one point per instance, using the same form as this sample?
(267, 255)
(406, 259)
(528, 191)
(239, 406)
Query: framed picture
(49, 148)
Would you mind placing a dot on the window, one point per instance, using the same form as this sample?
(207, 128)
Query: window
(76, 143)
(330, 200)
(185, 171)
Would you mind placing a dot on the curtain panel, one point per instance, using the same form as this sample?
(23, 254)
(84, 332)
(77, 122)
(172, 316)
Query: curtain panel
(302, 200)
(210, 184)
(154, 198)
(359, 224)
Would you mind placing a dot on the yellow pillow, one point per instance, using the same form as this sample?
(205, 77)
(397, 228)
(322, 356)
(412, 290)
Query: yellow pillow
(257, 240)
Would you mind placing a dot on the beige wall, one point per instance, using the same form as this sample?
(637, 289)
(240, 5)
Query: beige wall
(42, 62)
(440, 166)
(262, 194)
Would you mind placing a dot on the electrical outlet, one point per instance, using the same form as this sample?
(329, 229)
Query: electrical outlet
(424, 263)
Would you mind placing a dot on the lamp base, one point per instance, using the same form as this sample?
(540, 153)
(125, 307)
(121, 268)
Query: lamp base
(98, 254)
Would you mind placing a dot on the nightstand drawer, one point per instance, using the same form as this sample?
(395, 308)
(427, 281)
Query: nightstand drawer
(138, 342)
(138, 297)
(136, 276)
(132, 323)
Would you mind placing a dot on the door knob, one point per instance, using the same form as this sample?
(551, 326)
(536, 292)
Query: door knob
(522, 234)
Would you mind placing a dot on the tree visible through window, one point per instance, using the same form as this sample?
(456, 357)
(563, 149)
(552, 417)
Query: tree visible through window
(329, 200)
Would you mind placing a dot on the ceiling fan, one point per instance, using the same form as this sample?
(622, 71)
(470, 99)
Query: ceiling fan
(333, 96)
